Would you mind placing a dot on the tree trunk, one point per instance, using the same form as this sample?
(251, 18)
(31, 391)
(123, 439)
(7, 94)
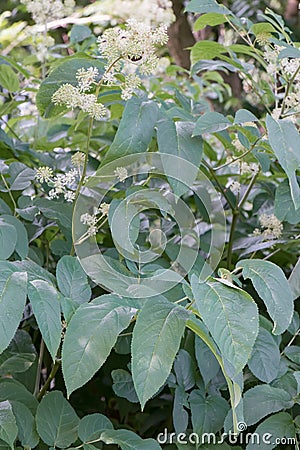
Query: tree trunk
(180, 36)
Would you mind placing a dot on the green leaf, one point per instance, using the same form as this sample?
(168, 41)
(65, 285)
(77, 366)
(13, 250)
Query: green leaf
(79, 33)
(155, 342)
(175, 138)
(8, 239)
(277, 426)
(44, 299)
(211, 19)
(185, 370)
(63, 73)
(20, 176)
(285, 142)
(243, 115)
(90, 336)
(19, 355)
(91, 426)
(8, 78)
(8, 426)
(263, 400)
(208, 413)
(123, 385)
(265, 358)
(12, 304)
(231, 316)
(206, 6)
(56, 420)
(12, 390)
(292, 352)
(21, 246)
(27, 433)
(59, 211)
(263, 27)
(210, 123)
(72, 280)
(294, 280)
(284, 207)
(128, 440)
(135, 130)
(271, 285)
(206, 50)
(180, 406)
(207, 363)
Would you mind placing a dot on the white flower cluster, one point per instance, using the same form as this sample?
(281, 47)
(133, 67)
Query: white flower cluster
(129, 50)
(288, 69)
(61, 184)
(272, 227)
(152, 12)
(244, 167)
(92, 220)
(121, 173)
(43, 11)
(76, 97)
(78, 159)
(235, 187)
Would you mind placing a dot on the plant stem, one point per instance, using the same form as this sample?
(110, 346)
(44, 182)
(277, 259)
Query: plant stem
(52, 374)
(10, 194)
(39, 368)
(211, 171)
(198, 331)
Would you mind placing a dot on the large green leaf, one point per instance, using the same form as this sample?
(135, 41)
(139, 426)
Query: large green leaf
(231, 316)
(294, 280)
(12, 390)
(263, 400)
(206, 6)
(90, 336)
(72, 280)
(210, 19)
(44, 299)
(91, 426)
(271, 285)
(19, 355)
(63, 73)
(56, 420)
(21, 246)
(20, 176)
(155, 342)
(8, 239)
(27, 433)
(284, 207)
(128, 440)
(8, 426)
(208, 413)
(207, 363)
(206, 50)
(8, 78)
(285, 142)
(12, 302)
(211, 122)
(135, 130)
(275, 427)
(265, 358)
(175, 138)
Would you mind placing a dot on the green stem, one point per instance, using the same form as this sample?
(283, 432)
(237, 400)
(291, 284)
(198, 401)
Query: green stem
(39, 369)
(287, 91)
(52, 374)
(235, 216)
(215, 178)
(197, 330)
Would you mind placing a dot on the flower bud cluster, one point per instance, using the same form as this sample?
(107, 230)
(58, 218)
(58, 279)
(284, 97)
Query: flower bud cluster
(130, 50)
(272, 227)
(46, 10)
(92, 220)
(76, 97)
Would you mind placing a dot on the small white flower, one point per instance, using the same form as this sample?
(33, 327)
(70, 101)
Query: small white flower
(88, 219)
(69, 196)
(44, 174)
(121, 173)
(92, 230)
(104, 208)
(86, 78)
(78, 159)
(235, 187)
